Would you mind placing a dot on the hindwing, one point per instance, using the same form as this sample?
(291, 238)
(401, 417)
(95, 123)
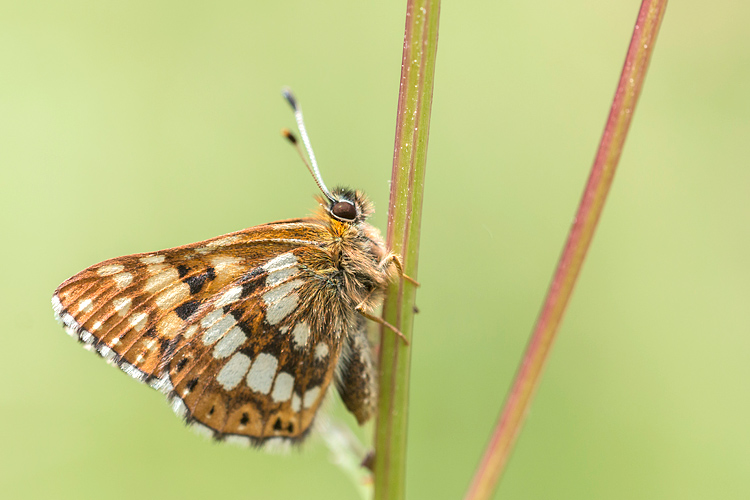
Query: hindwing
(226, 328)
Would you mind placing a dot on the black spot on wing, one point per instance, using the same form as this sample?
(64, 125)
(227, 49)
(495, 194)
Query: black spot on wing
(183, 270)
(180, 365)
(197, 282)
(184, 311)
(317, 377)
(252, 280)
(249, 287)
(168, 347)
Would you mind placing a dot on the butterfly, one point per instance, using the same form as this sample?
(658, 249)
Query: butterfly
(244, 333)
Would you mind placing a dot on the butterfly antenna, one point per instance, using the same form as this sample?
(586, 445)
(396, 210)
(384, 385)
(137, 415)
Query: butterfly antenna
(293, 139)
(313, 165)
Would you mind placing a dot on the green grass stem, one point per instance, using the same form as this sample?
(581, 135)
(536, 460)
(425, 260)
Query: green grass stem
(404, 221)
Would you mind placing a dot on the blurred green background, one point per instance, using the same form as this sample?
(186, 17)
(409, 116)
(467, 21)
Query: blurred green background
(134, 126)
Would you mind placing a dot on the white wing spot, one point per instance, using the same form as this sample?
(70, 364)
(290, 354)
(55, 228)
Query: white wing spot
(212, 318)
(231, 341)
(296, 403)
(69, 321)
(56, 305)
(155, 268)
(161, 280)
(281, 291)
(311, 395)
(237, 439)
(86, 337)
(106, 352)
(280, 262)
(278, 445)
(226, 267)
(178, 406)
(282, 387)
(230, 296)
(132, 371)
(190, 331)
(279, 310)
(300, 334)
(173, 295)
(233, 371)
(281, 276)
(122, 305)
(280, 301)
(260, 376)
(280, 269)
(162, 384)
(123, 280)
(218, 329)
(224, 260)
(321, 351)
(138, 321)
(110, 269)
(85, 305)
(96, 326)
(153, 259)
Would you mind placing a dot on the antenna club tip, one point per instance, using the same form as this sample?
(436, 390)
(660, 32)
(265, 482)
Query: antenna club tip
(289, 135)
(289, 96)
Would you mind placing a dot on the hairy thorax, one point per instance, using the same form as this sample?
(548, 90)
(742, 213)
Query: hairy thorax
(349, 270)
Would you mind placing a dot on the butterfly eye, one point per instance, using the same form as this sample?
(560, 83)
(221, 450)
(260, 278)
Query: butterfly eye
(344, 210)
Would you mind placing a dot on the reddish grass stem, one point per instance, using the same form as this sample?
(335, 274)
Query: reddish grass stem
(511, 419)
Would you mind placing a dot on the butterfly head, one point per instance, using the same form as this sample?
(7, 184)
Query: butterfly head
(347, 205)
(341, 204)
(352, 208)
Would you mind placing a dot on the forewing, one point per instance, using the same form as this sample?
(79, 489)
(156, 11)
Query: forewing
(131, 309)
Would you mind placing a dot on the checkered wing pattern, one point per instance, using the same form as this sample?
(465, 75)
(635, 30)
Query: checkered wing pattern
(225, 329)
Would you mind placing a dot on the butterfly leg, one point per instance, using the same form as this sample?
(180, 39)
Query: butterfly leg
(356, 381)
(396, 261)
(360, 308)
(383, 322)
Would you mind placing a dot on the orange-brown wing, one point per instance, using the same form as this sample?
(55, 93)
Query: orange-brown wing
(149, 312)
(257, 369)
(128, 302)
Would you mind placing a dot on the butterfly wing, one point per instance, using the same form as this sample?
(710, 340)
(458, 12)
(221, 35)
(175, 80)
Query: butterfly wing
(355, 373)
(261, 367)
(223, 327)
